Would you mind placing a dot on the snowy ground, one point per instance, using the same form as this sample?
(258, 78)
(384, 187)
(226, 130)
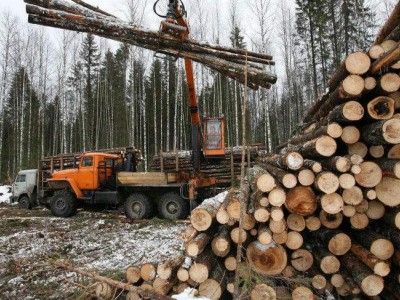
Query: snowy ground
(5, 193)
(103, 243)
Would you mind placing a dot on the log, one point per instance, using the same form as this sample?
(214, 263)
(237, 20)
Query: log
(347, 181)
(213, 287)
(337, 280)
(290, 160)
(148, 271)
(302, 292)
(302, 201)
(313, 223)
(324, 146)
(277, 196)
(166, 270)
(390, 25)
(377, 151)
(114, 283)
(188, 234)
(389, 167)
(352, 87)
(221, 244)
(340, 164)
(230, 263)
(386, 61)
(394, 152)
(356, 63)
(264, 235)
(235, 237)
(387, 191)
(358, 148)
(241, 196)
(370, 176)
(306, 177)
(349, 211)
(200, 271)
(104, 290)
(389, 83)
(294, 240)
(198, 244)
(277, 226)
(377, 244)
(331, 221)
(277, 213)
(350, 135)
(261, 180)
(370, 84)
(261, 214)
(332, 203)
(333, 130)
(222, 215)
(263, 292)
(287, 179)
(280, 238)
(267, 260)
(362, 207)
(163, 286)
(378, 266)
(376, 51)
(359, 221)
(326, 182)
(381, 108)
(133, 274)
(313, 165)
(376, 210)
(204, 215)
(302, 260)
(296, 222)
(353, 196)
(388, 45)
(337, 242)
(327, 262)
(382, 132)
(387, 231)
(371, 284)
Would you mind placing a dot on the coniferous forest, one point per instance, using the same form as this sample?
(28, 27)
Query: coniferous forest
(64, 92)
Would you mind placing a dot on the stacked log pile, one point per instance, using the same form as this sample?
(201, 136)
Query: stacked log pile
(78, 16)
(225, 170)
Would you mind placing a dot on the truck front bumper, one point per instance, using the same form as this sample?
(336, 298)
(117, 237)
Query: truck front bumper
(13, 199)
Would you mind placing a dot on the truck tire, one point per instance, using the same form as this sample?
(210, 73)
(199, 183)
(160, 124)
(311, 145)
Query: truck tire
(173, 207)
(138, 206)
(24, 203)
(63, 204)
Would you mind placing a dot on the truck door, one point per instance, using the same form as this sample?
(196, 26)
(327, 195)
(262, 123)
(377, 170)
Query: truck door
(86, 174)
(20, 186)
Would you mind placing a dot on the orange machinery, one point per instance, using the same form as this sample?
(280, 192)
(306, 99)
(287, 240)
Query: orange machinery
(213, 128)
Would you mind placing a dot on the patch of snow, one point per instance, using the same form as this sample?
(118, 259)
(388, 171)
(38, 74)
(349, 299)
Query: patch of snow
(189, 293)
(5, 193)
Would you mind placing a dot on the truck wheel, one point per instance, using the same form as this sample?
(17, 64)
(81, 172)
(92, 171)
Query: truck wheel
(24, 203)
(63, 204)
(138, 206)
(173, 207)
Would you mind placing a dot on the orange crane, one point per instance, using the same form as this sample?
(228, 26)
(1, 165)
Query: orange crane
(213, 128)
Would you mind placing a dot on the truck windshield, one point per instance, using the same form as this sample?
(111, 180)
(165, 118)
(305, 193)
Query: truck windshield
(87, 161)
(20, 178)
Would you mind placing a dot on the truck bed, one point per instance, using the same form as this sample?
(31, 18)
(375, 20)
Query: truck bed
(152, 179)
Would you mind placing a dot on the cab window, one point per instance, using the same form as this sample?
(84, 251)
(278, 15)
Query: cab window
(21, 178)
(87, 161)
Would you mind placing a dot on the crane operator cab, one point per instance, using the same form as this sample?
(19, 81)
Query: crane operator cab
(214, 137)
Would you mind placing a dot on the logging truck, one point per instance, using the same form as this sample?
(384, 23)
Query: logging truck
(62, 183)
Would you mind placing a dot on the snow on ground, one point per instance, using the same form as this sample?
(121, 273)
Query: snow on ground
(187, 294)
(5, 193)
(92, 241)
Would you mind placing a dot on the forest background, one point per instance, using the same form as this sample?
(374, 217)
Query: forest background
(63, 92)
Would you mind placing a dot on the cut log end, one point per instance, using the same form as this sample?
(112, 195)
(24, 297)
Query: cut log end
(326, 146)
(263, 292)
(301, 293)
(388, 191)
(358, 63)
(353, 85)
(372, 285)
(334, 130)
(294, 160)
(370, 176)
(390, 82)
(382, 249)
(381, 108)
(340, 244)
(391, 131)
(332, 203)
(266, 259)
(265, 183)
(352, 111)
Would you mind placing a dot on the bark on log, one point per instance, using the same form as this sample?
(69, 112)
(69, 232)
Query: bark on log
(287, 179)
(389, 167)
(198, 244)
(260, 180)
(200, 271)
(204, 215)
(371, 284)
(337, 242)
(324, 146)
(378, 266)
(382, 132)
(377, 244)
(389, 232)
(168, 269)
(340, 164)
(313, 165)
(386, 61)
(392, 217)
(267, 260)
(288, 159)
(241, 196)
(333, 130)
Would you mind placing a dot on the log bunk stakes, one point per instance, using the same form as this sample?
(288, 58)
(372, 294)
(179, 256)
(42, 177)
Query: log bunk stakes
(321, 217)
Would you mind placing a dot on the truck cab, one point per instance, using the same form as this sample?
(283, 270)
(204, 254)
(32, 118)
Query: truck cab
(24, 189)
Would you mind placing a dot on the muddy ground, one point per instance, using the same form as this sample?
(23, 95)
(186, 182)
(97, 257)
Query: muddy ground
(105, 243)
